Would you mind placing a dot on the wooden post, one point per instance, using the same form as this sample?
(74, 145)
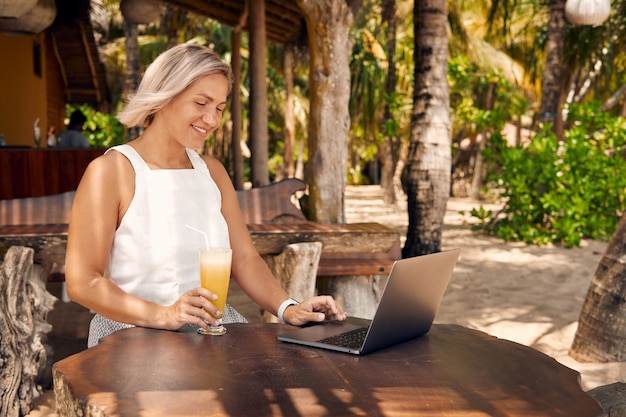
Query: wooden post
(24, 351)
(259, 136)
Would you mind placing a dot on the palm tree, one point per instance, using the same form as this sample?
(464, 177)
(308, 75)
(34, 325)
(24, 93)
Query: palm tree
(551, 86)
(387, 155)
(427, 177)
(573, 63)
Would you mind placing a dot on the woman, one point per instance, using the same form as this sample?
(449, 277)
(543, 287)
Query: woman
(132, 256)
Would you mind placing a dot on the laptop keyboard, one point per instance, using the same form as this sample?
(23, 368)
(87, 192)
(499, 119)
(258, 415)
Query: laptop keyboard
(352, 339)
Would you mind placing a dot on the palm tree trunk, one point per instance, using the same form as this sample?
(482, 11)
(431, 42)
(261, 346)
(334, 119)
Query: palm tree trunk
(477, 176)
(552, 76)
(403, 153)
(289, 166)
(429, 159)
(236, 112)
(171, 21)
(601, 333)
(386, 152)
(131, 83)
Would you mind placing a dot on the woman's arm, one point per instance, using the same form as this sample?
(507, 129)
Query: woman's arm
(251, 272)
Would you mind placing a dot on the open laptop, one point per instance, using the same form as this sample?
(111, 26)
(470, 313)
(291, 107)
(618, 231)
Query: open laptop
(406, 310)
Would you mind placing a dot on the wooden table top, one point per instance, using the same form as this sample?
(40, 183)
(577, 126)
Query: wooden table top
(451, 371)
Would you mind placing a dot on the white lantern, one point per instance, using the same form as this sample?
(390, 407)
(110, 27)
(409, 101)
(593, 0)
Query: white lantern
(15, 8)
(36, 20)
(587, 12)
(140, 11)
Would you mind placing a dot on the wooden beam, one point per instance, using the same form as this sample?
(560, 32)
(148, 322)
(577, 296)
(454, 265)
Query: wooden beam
(57, 53)
(283, 17)
(92, 67)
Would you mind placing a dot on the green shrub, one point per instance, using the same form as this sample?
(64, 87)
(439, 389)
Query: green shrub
(560, 192)
(103, 130)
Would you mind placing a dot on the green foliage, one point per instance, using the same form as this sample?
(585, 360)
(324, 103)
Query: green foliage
(561, 192)
(469, 87)
(102, 130)
(369, 66)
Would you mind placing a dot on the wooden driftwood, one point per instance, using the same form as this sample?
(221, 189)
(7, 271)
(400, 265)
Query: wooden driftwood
(24, 351)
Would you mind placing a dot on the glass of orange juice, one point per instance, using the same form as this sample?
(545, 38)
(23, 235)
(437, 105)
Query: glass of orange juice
(214, 276)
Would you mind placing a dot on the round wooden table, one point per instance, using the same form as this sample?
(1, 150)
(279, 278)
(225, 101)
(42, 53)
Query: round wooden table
(451, 371)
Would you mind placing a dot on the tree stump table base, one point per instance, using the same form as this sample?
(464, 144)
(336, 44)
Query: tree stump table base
(295, 268)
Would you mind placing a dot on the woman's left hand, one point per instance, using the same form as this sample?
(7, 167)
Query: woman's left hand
(314, 309)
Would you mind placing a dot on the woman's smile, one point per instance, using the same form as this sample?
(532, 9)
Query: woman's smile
(200, 130)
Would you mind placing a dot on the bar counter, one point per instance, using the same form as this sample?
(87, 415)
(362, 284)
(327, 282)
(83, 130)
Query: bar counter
(35, 172)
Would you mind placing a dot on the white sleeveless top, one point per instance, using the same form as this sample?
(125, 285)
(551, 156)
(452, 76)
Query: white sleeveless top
(154, 254)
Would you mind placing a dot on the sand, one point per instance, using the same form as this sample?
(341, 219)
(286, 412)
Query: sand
(527, 294)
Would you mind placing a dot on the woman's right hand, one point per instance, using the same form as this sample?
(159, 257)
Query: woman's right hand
(314, 309)
(193, 307)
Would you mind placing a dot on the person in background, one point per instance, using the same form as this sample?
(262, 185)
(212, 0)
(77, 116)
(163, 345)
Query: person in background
(130, 257)
(51, 138)
(73, 137)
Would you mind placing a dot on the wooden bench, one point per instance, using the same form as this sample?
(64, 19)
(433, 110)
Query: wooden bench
(349, 249)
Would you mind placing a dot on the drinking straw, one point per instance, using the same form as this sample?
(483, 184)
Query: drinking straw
(206, 238)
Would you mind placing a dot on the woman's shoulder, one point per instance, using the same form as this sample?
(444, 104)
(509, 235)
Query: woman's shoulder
(109, 166)
(109, 175)
(218, 173)
(112, 159)
(214, 165)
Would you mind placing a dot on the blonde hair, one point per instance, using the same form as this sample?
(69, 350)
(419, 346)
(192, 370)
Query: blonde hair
(169, 75)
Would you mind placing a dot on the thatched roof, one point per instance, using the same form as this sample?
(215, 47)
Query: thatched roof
(83, 73)
(77, 53)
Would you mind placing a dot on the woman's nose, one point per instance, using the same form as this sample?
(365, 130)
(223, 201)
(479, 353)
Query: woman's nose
(210, 118)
